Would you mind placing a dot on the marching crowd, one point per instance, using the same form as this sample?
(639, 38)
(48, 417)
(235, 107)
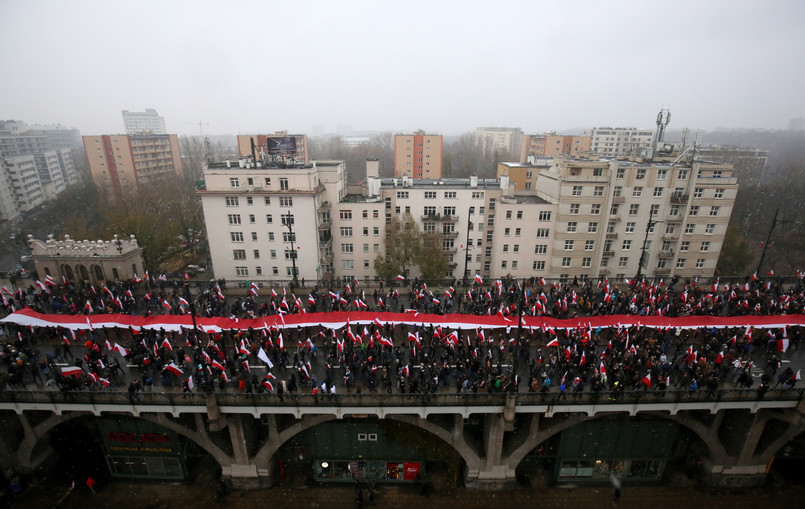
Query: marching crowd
(385, 357)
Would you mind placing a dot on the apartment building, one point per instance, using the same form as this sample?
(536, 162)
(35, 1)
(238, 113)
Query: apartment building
(616, 141)
(504, 140)
(535, 146)
(20, 188)
(418, 155)
(584, 218)
(143, 122)
(281, 147)
(121, 164)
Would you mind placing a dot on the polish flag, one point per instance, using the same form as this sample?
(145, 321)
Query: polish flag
(647, 380)
(71, 371)
(49, 281)
(267, 385)
(386, 342)
(173, 368)
(378, 322)
(553, 342)
(583, 360)
(400, 277)
(479, 279)
(122, 351)
(603, 369)
(217, 365)
(166, 304)
(167, 344)
(104, 381)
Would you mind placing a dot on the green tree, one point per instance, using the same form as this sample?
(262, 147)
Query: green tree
(735, 254)
(433, 262)
(403, 247)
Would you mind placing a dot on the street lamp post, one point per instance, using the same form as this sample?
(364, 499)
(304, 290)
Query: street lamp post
(774, 224)
(467, 249)
(288, 222)
(651, 223)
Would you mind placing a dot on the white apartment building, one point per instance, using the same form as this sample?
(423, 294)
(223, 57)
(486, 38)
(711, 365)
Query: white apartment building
(148, 121)
(502, 139)
(585, 218)
(25, 191)
(609, 141)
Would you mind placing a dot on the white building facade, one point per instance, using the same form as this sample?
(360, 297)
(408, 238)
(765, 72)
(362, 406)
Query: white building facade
(148, 121)
(616, 141)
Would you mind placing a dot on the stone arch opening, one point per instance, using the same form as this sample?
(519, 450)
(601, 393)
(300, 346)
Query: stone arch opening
(391, 450)
(83, 273)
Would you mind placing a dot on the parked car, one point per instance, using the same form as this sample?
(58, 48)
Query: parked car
(196, 268)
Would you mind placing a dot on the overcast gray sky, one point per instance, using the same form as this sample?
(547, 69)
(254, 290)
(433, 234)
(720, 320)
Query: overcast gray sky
(444, 66)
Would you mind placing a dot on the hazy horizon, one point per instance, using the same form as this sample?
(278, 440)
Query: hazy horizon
(445, 67)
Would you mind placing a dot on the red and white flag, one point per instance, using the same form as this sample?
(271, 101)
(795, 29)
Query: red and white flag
(173, 368)
(71, 371)
(479, 279)
(553, 342)
(647, 380)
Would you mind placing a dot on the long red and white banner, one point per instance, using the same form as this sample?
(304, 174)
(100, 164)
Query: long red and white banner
(336, 320)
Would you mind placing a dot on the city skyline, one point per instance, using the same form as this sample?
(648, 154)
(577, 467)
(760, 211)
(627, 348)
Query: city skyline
(385, 67)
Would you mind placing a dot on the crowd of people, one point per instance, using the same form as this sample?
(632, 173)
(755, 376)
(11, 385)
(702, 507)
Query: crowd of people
(386, 357)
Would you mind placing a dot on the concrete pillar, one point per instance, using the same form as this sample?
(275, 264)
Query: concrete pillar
(494, 472)
(743, 470)
(242, 473)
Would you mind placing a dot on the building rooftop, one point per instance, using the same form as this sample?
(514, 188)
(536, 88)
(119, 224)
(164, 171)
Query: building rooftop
(452, 183)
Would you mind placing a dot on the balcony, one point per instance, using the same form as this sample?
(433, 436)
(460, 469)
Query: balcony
(615, 219)
(431, 217)
(679, 198)
(325, 225)
(450, 235)
(613, 235)
(609, 253)
(618, 199)
(673, 219)
(325, 206)
(666, 254)
(449, 219)
(664, 271)
(670, 236)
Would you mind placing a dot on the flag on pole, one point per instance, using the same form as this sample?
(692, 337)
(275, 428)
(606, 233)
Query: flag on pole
(261, 354)
(71, 371)
(173, 368)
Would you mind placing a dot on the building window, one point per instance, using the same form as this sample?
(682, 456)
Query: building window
(674, 210)
(236, 236)
(705, 246)
(506, 232)
(241, 271)
(543, 233)
(630, 227)
(234, 182)
(589, 245)
(234, 218)
(574, 208)
(289, 237)
(430, 195)
(541, 249)
(658, 192)
(719, 193)
(258, 271)
(450, 211)
(346, 231)
(376, 231)
(267, 200)
(623, 261)
(662, 174)
(505, 248)
(604, 261)
(231, 201)
(450, 195)
(268, 181)
(347, 248)
(402, 195)
(539, 265)
(286, 201)
(592, 227)
(714, 211)
(256, 254)
(283, 184)
(269, 219)
(366, 248)
(682, 175)
(516, 248)
(345, 215)
(637, 192)
(627, 245)
(273, 254)
(544, 215)
(365, 231)
(700, 263)
(690, 228)
(347, 264)
(598, 191)
(476, 195)
(710, 228)
(569, 245)
(249, 200)
(576, 191)
(680, 263)
(566, 261)
(271, 236)
(620, 173)
(571, 226)
(597, 172)
(641, 174)
(698, 192)
(508, 214)
(618, 190)
(503, 264)
(586, 262)
(254, 236)
(519, 214)
(670, 229)
(251, 218)
(654, 210)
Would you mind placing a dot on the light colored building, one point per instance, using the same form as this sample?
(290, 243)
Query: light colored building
(523, 176)
(25, 190)
(504, 140)
(143, 122)
(606, 208)
(261, 221)
(89, 261)
(280, 147)
(552, 144)
(18, 139)
(609, 141)
(418, 155)
(120, 164)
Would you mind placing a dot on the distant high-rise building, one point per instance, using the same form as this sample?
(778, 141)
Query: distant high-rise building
(20, 187)
(120, 164)
(500, 139)
(796, 124)
(148, 121)
(609, 141)
(280, 146)
(418, 155)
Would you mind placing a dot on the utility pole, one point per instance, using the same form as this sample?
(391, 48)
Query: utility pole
(774, 224)
(288, 222)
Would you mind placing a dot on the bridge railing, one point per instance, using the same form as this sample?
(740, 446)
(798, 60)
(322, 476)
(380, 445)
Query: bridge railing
(172, 399)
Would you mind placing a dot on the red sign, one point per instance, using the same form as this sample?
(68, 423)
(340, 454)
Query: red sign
(411, 472)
